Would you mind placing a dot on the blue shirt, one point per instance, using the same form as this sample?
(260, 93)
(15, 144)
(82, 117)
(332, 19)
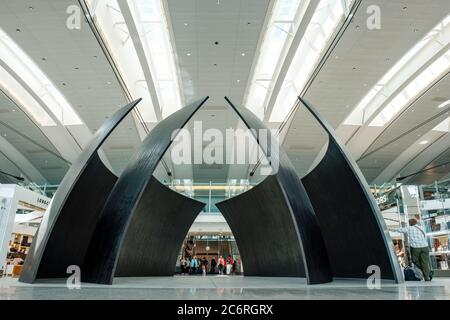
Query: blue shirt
(416, 236)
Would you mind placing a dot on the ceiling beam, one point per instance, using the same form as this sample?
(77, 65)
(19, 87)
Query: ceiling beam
(19, 161)
(135, 37)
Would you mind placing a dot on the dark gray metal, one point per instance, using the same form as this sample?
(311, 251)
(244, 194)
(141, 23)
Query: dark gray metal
(67, 226)
(156, 232)
(292, 210)
(102, 257)
(353, 228)
(264, 231)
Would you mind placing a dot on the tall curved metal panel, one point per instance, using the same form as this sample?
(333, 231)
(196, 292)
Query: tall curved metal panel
(265, 234)
(352, 226)
(292, 208)
(65, 232)
(103, 253)
(156, 232)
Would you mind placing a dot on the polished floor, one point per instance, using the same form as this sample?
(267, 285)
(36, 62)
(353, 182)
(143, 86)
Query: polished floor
(224, 287)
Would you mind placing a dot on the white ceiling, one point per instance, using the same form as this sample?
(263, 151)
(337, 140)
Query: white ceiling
(76, 65)
(360, 59)
(74, 62)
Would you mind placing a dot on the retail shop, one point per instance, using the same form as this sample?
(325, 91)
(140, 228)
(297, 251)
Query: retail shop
(22, 211)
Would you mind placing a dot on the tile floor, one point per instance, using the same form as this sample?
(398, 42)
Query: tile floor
(223, 287)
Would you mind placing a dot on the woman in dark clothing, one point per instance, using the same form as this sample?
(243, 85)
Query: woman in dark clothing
(213, 266)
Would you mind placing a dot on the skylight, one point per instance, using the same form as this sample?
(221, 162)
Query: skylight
(153, 29)
(22, 97)
(22, 65)
(433, 72)
(283, 24)
(323, 24)
(109, 18)
(418, 56)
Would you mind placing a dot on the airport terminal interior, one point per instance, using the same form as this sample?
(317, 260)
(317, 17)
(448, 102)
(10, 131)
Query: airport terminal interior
(225, 149)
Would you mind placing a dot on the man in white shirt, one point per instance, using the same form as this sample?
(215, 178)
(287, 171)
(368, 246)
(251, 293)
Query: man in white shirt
(420, 251)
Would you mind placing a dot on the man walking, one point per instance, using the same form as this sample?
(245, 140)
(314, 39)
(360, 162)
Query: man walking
(420, 252)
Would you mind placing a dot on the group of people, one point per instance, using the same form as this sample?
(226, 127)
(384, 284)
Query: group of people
(194, 265)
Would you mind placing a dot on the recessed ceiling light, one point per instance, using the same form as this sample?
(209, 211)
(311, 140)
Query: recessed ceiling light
(13, 110)
(238, 80)
(243, 54)
(108, 82)
(188, 54)
(444, 104)
(423, 142)
(186, 24)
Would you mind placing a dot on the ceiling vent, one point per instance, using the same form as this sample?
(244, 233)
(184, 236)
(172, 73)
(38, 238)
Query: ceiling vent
(440, 99)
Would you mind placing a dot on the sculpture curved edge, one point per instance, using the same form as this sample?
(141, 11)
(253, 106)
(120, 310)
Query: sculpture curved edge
(341, 216)
(64, 195)
(103, 253)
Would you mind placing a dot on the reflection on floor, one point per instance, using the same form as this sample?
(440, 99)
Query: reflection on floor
(224, 287)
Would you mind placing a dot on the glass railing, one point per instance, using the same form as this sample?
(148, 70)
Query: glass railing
(210, 193)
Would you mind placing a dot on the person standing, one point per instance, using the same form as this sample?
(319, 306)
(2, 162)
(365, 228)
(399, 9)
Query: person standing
(229, 264)
(204, 265)
(234, 267)
(221, 265)
(213, 266)
(420, 252)
(182, 266)
(194, 265)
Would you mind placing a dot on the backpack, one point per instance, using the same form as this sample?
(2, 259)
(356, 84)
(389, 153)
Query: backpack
(412, 274)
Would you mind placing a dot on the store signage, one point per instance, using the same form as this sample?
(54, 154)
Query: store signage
(43, 201)
(382, 200)
(438, 204)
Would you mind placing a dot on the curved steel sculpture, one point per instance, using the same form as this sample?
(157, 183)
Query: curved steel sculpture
(279, 209)
(353, 228)
(156, 232)
(65, 232)
(323, 226)
(125, 200)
